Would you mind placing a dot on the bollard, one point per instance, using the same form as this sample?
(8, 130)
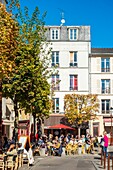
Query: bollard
(101, 157)
(108, 162)
(104, 161)
(112, 162)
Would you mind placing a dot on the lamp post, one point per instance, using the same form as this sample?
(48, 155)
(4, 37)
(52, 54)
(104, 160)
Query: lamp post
(111, 139)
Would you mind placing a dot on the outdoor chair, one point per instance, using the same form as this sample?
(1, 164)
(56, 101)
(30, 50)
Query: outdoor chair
(69, 149)
(10, 163)
(2, 161)
(83, 149)
(74, 149)
(25, 159)
(20, 158)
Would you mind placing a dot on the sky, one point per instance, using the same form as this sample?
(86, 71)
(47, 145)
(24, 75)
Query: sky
(98, 14)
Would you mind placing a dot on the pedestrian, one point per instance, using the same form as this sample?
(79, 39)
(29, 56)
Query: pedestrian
(105, 144)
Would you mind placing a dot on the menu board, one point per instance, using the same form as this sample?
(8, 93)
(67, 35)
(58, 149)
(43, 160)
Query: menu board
(23, 141)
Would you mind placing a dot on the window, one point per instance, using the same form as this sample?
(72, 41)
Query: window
(55, 82)
(105, 105)
(56, 105)
(105, 64)
(72, 34)
(55, 58)
(105, 86)
(54, 34)
(73, 82)
(73, 59)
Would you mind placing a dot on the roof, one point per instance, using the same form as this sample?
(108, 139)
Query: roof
(101, 50)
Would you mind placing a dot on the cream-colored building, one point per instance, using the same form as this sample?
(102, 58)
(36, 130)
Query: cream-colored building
(101, 83)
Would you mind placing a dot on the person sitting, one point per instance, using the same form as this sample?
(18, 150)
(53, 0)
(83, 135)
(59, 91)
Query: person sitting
(57, 147)
(12, 150)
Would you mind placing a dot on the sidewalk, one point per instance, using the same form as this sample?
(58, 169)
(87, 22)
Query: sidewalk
(95, 158)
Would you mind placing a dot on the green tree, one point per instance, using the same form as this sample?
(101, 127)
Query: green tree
(28, 85)
(80, 108)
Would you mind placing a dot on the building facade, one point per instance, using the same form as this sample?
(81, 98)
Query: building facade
(101, 83)
(81, 70)
(71, 46)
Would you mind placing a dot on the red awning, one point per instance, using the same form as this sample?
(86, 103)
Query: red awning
(61, 126)
(108, 120)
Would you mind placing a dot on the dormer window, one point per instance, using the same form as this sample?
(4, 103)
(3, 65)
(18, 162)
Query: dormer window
(72, 34)
(54, 34)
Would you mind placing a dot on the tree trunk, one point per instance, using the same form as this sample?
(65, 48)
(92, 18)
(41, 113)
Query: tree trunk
(79, 132)
(16, 120)
(34, 120)
(42, 125)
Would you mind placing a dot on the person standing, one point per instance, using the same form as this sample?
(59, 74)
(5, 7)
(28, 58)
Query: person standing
(105, 143)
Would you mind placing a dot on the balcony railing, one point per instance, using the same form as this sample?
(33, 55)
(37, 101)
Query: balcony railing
(105, 69)
(55, 64)
(56, 111)
(73, 65)
(73, 88)
(106, 90)
(105, 112)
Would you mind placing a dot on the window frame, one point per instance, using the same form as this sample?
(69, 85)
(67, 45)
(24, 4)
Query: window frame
(104, 103)
(74, 62)
(54, 108)
(55, 34)
(105, 65)
(73, 79)
(73, 34)
(55, 80)
(55, 57)
(105, 90)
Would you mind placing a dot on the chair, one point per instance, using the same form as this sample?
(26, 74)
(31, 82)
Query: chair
(2, 161)
(25, 159)
(69, 149)
(83, 149)
(10, 163)
(75, 148)
(20, 158)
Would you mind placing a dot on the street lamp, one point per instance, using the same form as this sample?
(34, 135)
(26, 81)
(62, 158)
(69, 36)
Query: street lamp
(111, 139)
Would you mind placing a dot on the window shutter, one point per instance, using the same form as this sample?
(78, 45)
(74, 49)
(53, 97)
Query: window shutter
(98, 87)
(111, 65)
(71, 57)
(98, 64)
(112, 86)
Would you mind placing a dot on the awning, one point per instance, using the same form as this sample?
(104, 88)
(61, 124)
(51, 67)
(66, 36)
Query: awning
(60, 126)
(108, 120)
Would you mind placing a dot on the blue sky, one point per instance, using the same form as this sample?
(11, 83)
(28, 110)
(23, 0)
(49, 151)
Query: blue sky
(96, 13)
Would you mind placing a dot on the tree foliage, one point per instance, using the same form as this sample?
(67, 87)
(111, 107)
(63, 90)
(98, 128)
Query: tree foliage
(8, 42)
(29, 79)
(80, 108)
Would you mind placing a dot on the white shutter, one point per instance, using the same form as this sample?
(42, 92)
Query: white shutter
(111, 65)
(98, 87)
(98, 64)
(112, 86)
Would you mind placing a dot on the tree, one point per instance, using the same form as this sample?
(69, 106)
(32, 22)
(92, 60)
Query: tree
(28, 84)
(9, 32)
(80, 108)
